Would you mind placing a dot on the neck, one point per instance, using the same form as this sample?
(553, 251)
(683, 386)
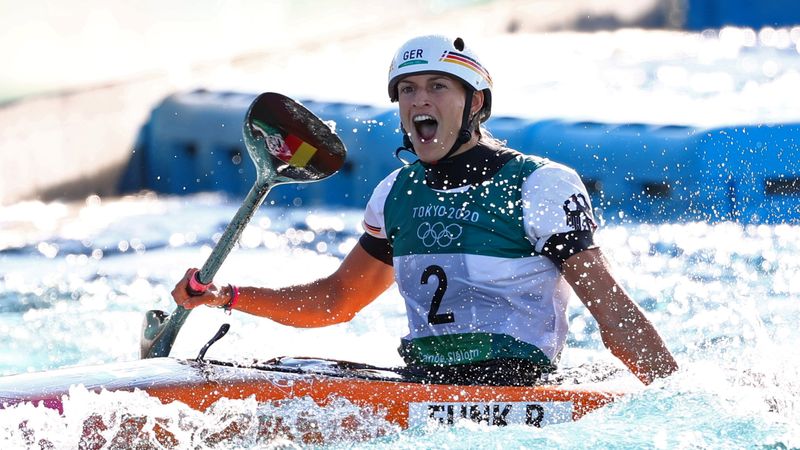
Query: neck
(469, 166)
(457, 149)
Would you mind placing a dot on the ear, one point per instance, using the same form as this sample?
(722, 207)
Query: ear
(477, 102)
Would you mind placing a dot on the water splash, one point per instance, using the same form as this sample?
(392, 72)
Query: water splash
(117, 420)
(722, 296)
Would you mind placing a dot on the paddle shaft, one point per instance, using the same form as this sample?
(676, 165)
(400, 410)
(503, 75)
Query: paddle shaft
(232, 232)
(164, 339)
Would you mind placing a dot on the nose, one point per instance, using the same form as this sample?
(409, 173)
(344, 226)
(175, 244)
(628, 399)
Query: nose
(420, 98)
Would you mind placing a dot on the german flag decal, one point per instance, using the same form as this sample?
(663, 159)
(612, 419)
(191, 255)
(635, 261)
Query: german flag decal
(466, 61)
(296, 151)
(293, 150)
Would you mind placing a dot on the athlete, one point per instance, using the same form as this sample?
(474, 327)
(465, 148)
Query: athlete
(486, 245)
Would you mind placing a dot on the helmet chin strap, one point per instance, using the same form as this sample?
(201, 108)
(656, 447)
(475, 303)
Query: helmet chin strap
(464, 134)
(407, 146)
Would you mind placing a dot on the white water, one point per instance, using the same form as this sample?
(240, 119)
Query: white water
(75, 279)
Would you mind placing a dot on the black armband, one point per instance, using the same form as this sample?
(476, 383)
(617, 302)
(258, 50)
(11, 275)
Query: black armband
(379, 249)
(559, 247)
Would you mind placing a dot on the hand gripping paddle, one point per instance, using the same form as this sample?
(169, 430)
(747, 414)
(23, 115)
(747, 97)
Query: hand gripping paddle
(288, 144)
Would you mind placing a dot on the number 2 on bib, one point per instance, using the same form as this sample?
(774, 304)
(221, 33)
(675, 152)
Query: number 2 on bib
(434, 318)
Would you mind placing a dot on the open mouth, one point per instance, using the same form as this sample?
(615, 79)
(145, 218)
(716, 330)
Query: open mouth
(426, 127)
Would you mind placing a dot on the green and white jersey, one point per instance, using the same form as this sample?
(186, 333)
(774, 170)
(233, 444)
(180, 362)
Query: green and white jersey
(467, 261)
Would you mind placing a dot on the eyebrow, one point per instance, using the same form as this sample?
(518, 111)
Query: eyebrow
(433, 78)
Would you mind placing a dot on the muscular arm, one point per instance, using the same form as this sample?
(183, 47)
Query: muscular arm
(625, 330)
(327, 301)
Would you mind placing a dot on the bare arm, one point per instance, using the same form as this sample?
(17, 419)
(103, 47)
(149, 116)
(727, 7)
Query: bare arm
(358, 281)
(624, 328)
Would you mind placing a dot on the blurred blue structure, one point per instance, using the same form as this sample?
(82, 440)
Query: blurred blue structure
(634, 172)
(703, 14)
(193, 143)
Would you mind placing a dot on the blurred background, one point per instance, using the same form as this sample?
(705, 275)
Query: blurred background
(81, 79)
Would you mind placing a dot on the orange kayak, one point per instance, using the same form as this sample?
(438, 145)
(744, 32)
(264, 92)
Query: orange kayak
(404, 402)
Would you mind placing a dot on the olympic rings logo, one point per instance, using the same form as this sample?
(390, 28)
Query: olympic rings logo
(438, 234)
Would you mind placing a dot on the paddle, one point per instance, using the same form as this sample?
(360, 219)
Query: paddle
(288, 144)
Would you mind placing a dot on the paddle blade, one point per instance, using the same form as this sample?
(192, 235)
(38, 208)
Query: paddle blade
(151, 326)
(159, 332)
(289, 142)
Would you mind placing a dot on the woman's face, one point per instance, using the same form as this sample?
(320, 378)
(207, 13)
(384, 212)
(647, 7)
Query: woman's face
(431, 109)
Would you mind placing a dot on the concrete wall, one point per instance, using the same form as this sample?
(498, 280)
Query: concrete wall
(72, 144)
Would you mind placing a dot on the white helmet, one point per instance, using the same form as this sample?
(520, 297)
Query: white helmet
(440, 54)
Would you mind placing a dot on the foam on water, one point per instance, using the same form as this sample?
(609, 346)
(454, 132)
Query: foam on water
(136, 420)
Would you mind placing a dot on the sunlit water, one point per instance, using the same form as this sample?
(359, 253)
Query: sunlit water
(76, 279)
